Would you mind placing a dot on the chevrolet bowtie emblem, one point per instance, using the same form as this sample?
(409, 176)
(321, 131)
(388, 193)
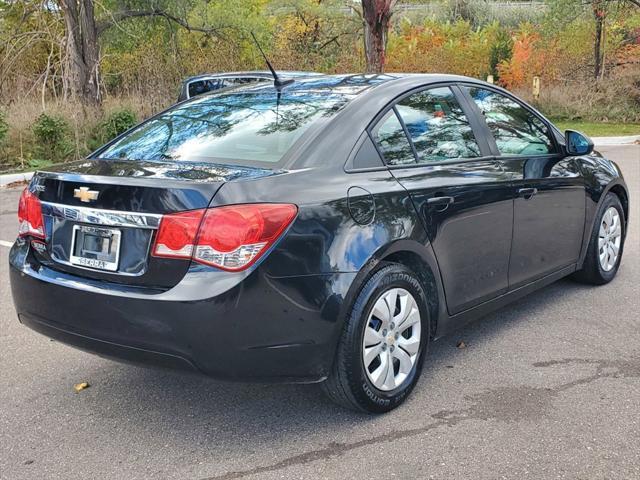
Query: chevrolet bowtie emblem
(85, 195)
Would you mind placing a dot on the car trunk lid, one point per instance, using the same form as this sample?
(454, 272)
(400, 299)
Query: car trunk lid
(101, 216)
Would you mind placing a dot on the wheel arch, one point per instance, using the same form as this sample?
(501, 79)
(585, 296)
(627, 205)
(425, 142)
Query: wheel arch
(418, 258)
(619, 188)
(421, 268)
(623, 195)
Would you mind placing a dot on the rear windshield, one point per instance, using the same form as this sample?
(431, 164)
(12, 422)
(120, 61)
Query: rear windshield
(237, 128)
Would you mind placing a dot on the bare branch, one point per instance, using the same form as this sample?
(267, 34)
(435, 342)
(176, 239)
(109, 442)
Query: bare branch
(156, 12)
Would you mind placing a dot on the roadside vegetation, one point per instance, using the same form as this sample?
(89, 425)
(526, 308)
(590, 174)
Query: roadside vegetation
(600, 129)
(586, 54)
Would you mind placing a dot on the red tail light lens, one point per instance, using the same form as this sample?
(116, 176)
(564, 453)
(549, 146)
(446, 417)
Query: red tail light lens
(30, 215)
(177, 234)
(234, 237)
(231, 238)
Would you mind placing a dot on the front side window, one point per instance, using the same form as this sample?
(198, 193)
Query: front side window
(392, 141)
(516, 130)
(438, 127)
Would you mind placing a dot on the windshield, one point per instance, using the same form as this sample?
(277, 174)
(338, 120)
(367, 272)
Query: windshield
(237, 128)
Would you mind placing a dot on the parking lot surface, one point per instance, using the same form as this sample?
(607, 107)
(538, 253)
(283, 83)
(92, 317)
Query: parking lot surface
(548, 387)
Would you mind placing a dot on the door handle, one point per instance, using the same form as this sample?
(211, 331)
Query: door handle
(527, 193)
(441, 203)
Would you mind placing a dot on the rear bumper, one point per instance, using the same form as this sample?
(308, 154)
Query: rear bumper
(252, 328)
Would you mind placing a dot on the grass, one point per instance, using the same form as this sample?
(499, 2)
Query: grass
(600, 129)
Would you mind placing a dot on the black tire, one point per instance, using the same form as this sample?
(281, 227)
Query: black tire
(348, 383)
(592, 271)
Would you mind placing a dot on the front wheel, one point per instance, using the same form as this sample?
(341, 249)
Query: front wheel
(383, 343)
(605, 245)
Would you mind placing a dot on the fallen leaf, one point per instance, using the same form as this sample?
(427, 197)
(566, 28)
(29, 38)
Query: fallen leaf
(19, 183)
(78, 387)
(461, 344)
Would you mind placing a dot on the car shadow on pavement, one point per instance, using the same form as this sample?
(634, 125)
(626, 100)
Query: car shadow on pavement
(207, 410)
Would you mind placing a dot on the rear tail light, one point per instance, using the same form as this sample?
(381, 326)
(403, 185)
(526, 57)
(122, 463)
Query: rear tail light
(231, 237)
(177, 234)
(30, 215)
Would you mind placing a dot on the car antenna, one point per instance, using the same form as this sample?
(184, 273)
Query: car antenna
(277, 81)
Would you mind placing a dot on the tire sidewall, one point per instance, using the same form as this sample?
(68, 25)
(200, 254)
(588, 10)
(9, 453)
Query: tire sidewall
(366, 394)
(610, 201)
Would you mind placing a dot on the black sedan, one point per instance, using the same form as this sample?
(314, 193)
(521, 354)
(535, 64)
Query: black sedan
(324, 231)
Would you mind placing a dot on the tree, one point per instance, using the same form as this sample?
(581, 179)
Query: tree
(599, 9)
(376, 15)
(81, 75)
(82, 55)
(599, 14)
(567, 10)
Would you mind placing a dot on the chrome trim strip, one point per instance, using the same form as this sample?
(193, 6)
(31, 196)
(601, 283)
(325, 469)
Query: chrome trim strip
(96, 216)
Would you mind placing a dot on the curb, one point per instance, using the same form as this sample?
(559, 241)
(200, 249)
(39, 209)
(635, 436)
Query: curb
(15, 177)
(599, 141)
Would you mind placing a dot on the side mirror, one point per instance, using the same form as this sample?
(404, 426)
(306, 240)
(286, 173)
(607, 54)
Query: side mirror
(577, 143)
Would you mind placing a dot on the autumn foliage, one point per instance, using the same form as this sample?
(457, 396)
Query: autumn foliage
(144, 60)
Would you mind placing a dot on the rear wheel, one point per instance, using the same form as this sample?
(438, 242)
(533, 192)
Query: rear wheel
(605, 245)
(383, 343)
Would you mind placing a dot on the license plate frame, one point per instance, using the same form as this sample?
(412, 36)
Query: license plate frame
(82, 255)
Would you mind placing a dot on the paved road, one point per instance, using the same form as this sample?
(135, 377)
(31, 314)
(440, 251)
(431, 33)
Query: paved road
(547, 388)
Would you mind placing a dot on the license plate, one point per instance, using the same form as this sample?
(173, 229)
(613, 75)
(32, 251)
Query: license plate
(95, 247)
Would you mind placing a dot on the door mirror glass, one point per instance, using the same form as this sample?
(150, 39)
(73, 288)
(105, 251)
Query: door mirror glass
(577, 143)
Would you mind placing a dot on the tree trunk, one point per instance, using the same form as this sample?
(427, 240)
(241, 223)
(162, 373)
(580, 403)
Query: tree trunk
(599, 15)
(82, 59)
(376, 15)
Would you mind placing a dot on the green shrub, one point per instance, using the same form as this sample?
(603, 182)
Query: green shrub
(38, 163)
(501, 50)
(4, 127)
(52, 139)
(113, 125)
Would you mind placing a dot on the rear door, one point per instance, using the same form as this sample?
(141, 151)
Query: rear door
(460, 192)
(548, 188)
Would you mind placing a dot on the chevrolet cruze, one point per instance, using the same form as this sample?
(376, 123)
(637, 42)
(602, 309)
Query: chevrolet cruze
(324, 231)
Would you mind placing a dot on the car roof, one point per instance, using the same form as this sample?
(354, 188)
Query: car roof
(251, 73)
(347, 84)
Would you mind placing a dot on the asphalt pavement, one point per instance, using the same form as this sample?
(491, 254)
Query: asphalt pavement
(546, 388)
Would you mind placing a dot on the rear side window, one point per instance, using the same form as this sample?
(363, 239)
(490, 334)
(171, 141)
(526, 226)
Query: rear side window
(235, 128)
(516, 130)
(392, 141)
(203, 86)
(234, 82)
(438, 127)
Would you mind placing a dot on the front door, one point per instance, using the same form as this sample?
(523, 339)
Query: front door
(548, 189)
(460, 192)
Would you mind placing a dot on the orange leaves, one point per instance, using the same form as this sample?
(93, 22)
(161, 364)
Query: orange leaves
(531, 57)
(440, 47)
(513, 72)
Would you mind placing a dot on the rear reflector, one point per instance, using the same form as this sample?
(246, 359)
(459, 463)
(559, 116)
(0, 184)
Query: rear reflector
(30, 215)
(231, 237)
